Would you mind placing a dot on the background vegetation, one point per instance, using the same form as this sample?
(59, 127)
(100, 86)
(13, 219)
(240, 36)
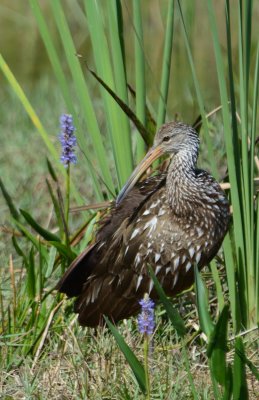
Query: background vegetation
(214, 62)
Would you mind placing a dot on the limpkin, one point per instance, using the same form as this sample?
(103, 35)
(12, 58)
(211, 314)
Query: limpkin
(170, 221)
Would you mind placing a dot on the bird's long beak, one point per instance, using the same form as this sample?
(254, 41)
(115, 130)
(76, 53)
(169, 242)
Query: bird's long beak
(153, 154)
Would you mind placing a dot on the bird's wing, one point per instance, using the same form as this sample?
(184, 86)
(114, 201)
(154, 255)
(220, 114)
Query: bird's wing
(120, 277)
(73, 280)
(129, 206)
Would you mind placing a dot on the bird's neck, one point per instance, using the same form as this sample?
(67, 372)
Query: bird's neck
(181, 182)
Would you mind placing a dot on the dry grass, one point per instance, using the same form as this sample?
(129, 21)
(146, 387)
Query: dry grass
(77, 363)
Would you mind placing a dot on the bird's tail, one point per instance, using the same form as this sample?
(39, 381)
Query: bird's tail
(72, 282)
(105, 294)
(101, 299)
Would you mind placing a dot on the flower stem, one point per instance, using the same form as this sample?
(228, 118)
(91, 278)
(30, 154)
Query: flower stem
(146, 351)
(67, 204)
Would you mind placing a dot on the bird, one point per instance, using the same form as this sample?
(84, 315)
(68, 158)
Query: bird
(169, 222)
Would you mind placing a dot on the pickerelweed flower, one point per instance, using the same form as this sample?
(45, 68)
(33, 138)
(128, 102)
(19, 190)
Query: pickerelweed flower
(146, 319)
(67, 140)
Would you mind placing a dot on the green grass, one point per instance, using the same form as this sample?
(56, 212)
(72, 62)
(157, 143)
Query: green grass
(43, 352)
(80, 364)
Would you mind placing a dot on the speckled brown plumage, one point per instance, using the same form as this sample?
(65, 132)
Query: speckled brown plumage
(170, 221)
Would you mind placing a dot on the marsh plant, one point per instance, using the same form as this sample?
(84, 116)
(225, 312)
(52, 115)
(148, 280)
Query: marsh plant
(110, 118)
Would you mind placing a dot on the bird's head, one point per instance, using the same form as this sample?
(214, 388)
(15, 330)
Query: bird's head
(174, 137)
(171, 138)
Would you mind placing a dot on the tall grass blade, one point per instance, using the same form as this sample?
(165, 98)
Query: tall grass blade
(229, 262)
(257, 261)
(254, 223)
(232, 96)
(217, 347)
(227, 128)
(52, 171)
(64, 251)
(140, 74)
(57, 208)
(18, 249)
(31, 278)
(166, 65)
(118, 124)
(146, 135)
(203, 305)
(51, 262)
(199, 97)
(189, 373)
(42, 231)
(116, 42)
(247, 190)
(234, 297)
(29, 236)
(217, 282)
(228, 387)
(134, 363)
(240, 390)
(53, 55)
(13, 211)
(151, 125)
(247, 47)
(231, 159)
(172, 313)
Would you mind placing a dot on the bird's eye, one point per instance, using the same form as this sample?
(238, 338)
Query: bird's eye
(166, 139)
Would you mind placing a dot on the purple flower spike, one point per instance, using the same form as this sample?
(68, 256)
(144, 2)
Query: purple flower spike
(146, 319)
(67, 140)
